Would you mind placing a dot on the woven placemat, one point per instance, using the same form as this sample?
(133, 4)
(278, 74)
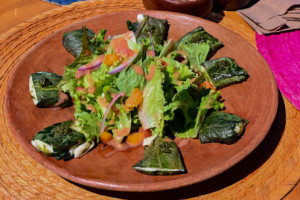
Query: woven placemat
(270, 172)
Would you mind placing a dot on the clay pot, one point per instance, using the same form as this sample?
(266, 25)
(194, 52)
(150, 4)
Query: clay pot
(198, 7)
(233, 4)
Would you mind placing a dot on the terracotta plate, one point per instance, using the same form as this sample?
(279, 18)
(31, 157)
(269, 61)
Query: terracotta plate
(255, 100)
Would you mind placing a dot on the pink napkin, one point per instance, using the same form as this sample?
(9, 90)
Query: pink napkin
(282, 52)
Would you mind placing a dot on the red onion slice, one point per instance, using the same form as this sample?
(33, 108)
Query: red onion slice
(93, 65)
(123, 65)
(108, 108)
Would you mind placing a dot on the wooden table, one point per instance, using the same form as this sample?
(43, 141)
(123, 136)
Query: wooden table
(14, 12)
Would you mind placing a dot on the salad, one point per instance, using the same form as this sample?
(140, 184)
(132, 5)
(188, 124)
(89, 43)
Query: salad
(139, 88)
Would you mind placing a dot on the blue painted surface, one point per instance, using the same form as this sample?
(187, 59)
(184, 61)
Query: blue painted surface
(62, 2)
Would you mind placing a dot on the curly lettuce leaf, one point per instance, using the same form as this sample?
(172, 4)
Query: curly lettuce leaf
(133, 76)
(196, 53)
(129, 79)
(178, 71)
(188, 110)
(88, 119)
(176, 74)
(181, 112)
(105, 84)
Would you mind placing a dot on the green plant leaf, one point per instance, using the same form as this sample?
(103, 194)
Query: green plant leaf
(162, 157)
(222, 127)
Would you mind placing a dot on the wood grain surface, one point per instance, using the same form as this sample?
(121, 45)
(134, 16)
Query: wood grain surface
(274, 165)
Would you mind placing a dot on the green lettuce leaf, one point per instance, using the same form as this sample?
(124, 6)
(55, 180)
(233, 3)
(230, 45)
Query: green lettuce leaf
(175, 74)
(105, 83)
(68, 82)
(196, 53)
(129, 79)
(87, 120)
(181, 112)
(208, 102)
(178, 71)
(151, 109)
(188, 110)
(199, 35)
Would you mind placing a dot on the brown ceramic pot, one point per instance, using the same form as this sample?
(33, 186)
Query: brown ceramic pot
(233, 4)
(197, 7)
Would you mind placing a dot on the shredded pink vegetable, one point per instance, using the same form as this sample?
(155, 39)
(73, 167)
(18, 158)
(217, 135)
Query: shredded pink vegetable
(152, 44)
(122, 66)
(108, 108)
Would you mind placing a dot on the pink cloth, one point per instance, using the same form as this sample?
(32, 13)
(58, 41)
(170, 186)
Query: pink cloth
(282, 53)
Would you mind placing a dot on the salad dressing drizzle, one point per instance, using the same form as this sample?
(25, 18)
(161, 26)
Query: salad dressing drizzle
(112, 147)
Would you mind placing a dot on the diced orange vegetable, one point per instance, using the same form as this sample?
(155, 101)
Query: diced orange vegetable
(206, 85)
(106, 137)
(135, 138)
(134, 99)
(110, 59)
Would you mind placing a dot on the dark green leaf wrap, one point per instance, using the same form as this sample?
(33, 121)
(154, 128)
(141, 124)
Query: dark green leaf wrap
(61, 138)
(222, 72)
(72, 41)
(157, 27)
(221, 127)
(43, 89)
(199, 35)
(161, 158)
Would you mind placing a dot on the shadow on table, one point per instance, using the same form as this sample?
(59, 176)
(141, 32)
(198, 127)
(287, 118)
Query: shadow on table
(245, 167)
